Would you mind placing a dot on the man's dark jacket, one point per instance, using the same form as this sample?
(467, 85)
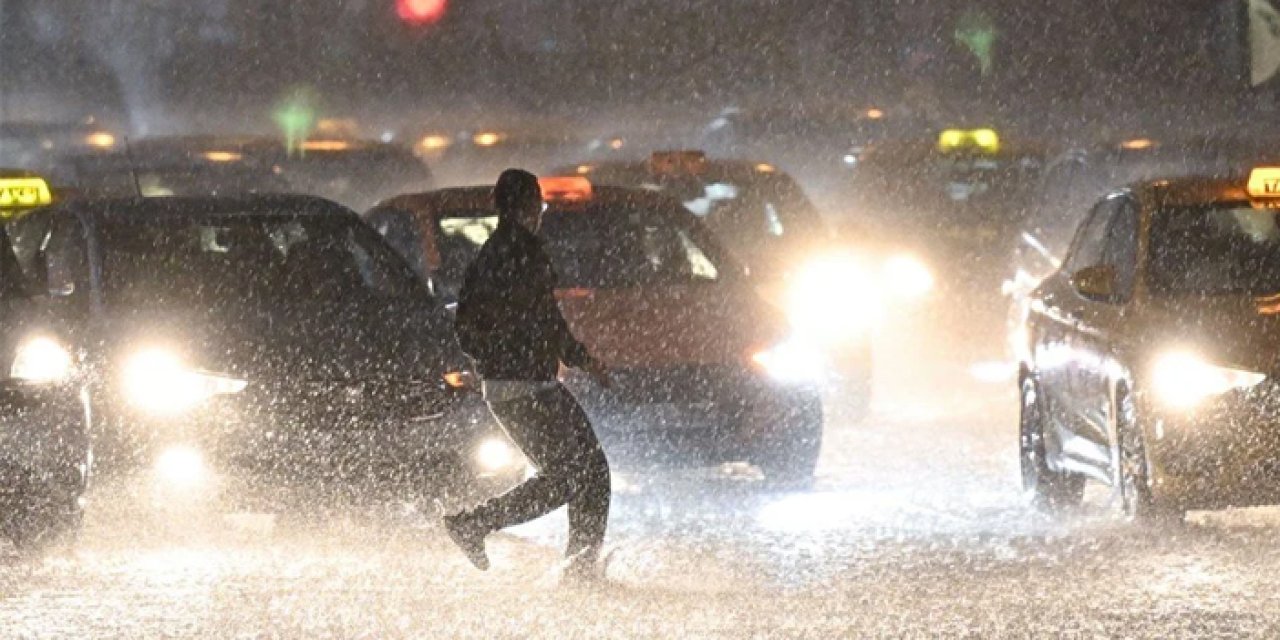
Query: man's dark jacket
(508, 319)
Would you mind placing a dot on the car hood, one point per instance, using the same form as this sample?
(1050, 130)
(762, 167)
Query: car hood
(331, 341)
(1239, 331)
(690, 324)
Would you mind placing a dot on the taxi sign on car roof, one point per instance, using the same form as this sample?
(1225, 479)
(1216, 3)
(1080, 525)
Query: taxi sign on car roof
(24, 192)
(1264, 182)
(982, 139)
(565, 188)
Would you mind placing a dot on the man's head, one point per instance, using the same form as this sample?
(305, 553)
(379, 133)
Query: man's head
(518, 198)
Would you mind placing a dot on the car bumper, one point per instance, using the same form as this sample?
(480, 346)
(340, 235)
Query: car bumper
(694, 417)
(43, 437)
(243, 441)
(1225, 452)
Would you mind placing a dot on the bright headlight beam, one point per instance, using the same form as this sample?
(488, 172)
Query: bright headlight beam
(1182, 379)
(832, 299)
(158, 381)
(908, 277)
(41, 360)
(791, 361)
(181, 467)
(494, 454)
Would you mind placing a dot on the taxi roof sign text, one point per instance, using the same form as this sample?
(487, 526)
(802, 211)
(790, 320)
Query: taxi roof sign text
(1264, 182)
(24, 193)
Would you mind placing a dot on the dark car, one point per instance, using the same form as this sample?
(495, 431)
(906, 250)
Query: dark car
(705, 371)
(266, 341)
(355, 173)
(958, 200)
(1151, 361)
(44, 447)
(1075, 179)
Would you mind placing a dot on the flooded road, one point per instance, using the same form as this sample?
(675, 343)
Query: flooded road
(915, 528)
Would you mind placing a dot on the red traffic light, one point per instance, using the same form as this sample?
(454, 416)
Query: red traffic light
(421, 12)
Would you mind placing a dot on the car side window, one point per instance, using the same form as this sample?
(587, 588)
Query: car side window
(65, 259)
(1121, 246)
(12, 283)
(1090, 243)
(399, 229)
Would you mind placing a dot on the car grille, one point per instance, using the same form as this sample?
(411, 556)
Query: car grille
(352, 403)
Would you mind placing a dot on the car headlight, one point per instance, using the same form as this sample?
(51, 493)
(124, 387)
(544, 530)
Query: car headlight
(159, 382)
(1182, 379)
(791, 361)
(181, 467)
(41, 360)
(494, 454)
(907, 277)
(832, 299)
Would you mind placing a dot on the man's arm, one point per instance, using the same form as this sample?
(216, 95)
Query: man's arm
(570, 350)
(469, 322)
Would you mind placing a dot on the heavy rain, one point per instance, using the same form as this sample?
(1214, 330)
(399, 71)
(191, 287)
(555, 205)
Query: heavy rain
(918, 318)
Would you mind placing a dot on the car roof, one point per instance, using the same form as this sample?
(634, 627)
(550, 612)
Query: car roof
(916, 148)
(482, 197)
(642, 167)
(1183, 192)
(202, 206)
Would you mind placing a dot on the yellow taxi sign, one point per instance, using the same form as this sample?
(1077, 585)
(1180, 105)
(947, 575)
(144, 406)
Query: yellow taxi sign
(565, 188)
(1264, 182)
(985, 139)
(24, 193)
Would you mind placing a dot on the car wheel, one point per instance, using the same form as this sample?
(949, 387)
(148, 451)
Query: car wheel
(1051, 491)
(789, 461)
(1139, 501)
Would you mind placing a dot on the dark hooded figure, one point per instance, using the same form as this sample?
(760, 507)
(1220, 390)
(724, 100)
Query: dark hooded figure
(510, 324)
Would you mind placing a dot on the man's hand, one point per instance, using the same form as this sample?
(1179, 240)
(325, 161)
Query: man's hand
(598, 372)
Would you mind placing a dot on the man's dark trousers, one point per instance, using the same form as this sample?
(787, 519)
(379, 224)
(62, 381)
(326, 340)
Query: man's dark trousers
(554, 433)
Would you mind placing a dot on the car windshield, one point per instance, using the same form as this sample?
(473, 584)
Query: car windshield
(923, 186)
(593, 247)
(748, 210)
(226, 258)
(1216, 249)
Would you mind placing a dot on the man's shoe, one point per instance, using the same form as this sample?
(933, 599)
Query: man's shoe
(583, 568)
(468, 538)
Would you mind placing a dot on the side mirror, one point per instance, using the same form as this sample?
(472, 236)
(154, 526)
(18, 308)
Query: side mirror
(1096, 283)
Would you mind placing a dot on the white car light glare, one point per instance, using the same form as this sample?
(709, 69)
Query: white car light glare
(41, 360)
(494, 454)
(181, 467)
(157, 381)
(907, 277)
(792, 362)
(1183, 379)
(833, 299)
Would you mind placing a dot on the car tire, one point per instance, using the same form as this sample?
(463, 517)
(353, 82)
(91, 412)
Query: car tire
(36, 517)
(789, 461)
(1051, 491)
(1139, 500)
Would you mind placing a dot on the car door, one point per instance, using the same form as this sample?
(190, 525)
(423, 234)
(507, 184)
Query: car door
(1055, 316)
(1110, 242)
(1100, 322)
